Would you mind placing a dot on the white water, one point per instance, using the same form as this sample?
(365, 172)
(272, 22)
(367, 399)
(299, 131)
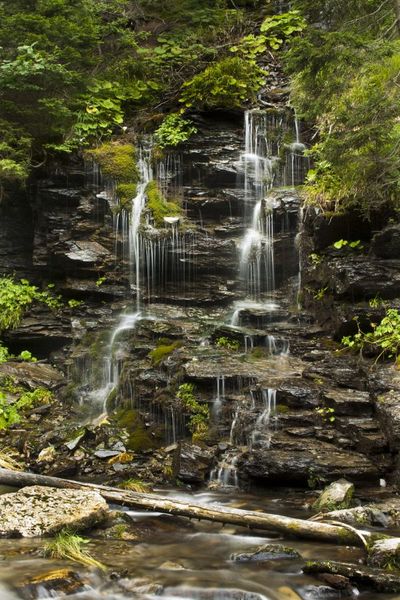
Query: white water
(262, 429)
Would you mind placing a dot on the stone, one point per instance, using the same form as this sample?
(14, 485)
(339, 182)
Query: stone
(300, 460)
(386, 243)
(84, 251)
(337, 495)
(32, 375)
(39, 511)
(267, 552)
(385, 554)
(377, 579)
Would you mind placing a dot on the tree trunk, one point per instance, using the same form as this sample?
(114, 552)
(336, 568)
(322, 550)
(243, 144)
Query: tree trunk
(254, 520)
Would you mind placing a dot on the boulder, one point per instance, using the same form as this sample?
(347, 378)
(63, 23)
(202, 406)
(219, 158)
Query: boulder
(267, 552)
(337, 495)
(385, 553)
(37, 511)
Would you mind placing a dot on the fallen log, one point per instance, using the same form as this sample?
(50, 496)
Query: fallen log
(254, 520)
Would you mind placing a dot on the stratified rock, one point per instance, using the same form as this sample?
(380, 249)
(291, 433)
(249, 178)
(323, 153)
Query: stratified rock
(337, 495)
(32, 375)
(388, 410)
(60, 581)
(301, 460)
(385, 553)
(267, 552)
(195, 463)
(37, 511)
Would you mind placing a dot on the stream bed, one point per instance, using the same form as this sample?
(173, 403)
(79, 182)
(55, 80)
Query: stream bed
(181, 558)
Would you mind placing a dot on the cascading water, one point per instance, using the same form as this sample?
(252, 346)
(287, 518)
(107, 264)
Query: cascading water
(263, 426)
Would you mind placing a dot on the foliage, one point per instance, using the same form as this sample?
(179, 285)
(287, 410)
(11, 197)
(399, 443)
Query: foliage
(384, 338)
(4, 354)
(274, 31)
(173, 131)
(228, 83)
(27, 356)
(16, 298)
(354, 245)
(135, 485)
(10, 411)
(344, 81)
(162, 351)
(326, 413)
(200, 413)
(158, 205)
(69, 546)
(224, 342)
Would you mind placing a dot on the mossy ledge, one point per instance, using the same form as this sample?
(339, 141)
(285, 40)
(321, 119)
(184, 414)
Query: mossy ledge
(159, 206)
(118, 162)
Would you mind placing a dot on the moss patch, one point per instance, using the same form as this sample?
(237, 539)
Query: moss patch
(159, 206)
(162, 351)
(117, 161)
(139, 439)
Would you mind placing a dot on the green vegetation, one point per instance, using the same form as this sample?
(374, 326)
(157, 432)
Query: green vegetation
(158, 206)
(11, 409)
(354, 245)
(344, 81)
(135, 485)
(117, 161)
(162, 351)
(326, 413)
(139, 439)
(225, 342)
(200, 413)
(69, 546)
(227, 83)
(173, 131)
(383, 340)
(16, 298)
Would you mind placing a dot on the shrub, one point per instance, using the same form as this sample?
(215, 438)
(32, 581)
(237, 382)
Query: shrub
(384, 338)
(225, 342)
(200, 413)
(228, 83)
(173, 131)
(15, 299)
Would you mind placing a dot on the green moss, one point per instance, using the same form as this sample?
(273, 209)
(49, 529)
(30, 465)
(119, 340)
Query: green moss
(158, 354)
(117, 161)
(159, 206)
(139, 439)
(125, 193)
(282, 409)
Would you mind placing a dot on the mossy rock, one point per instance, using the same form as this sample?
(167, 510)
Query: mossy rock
(117, 161)
(126, 192)
(338, 495)
(160, 207)
(139, 439)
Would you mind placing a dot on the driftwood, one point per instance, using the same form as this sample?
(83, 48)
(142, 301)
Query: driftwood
(232, 516)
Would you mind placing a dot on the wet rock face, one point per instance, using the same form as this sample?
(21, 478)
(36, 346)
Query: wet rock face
(32, 375)
(304, 461)
(386, 243)
(37, 511)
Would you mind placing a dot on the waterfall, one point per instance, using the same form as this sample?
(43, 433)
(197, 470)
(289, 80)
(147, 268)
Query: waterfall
(225, 474)
(262, 428)
(138, 204)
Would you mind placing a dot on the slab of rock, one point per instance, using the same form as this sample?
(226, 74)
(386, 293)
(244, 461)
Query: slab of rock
(297, 460)
(267, 552)
(37, 511)
(337, 495)
(366, 577)
(32, 375)
(385, 553)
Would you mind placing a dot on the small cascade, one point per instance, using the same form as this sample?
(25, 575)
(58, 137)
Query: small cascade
(225, 474)
(233, 426)
(220, 395)
(263, 426)
(248, 343)
(138, 204)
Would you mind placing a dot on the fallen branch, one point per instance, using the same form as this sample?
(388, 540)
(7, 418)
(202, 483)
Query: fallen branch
(232, 516)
